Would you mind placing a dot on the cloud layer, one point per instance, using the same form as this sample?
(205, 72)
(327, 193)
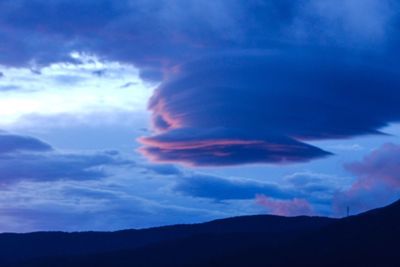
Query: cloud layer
(220, 189)
(27, 158)
(156, 34)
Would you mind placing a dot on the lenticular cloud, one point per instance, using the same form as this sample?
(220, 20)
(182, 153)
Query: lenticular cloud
(262, 107)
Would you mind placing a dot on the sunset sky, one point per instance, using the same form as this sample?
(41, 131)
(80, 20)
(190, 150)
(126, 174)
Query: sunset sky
(120, 114)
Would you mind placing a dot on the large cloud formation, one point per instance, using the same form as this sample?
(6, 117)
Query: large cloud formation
(262, 107)
(246, 97)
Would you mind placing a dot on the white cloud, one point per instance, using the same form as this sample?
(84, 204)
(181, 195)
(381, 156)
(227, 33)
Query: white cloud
(82, 88)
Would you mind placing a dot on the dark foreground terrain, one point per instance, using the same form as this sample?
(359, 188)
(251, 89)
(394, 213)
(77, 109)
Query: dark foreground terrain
(368, 239)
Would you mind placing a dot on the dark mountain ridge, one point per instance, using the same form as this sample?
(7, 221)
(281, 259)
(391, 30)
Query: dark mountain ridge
(21, 247)
(368, 239)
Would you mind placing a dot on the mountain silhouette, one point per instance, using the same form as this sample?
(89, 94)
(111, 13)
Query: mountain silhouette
(367, 239)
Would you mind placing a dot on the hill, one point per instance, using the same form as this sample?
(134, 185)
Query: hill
(368, 239)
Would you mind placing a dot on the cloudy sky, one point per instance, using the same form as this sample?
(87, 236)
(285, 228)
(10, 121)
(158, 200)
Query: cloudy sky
(122, 114)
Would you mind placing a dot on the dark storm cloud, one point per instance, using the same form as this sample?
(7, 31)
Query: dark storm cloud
(28, 158)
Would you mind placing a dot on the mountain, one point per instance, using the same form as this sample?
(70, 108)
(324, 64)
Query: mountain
(368, 239)
(17, 248)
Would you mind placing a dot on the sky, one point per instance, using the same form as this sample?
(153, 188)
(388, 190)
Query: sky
(118, 114)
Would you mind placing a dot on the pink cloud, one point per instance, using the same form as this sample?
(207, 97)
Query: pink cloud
(177, 145)
(377, 181)
(162, 120)
(293, 207)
